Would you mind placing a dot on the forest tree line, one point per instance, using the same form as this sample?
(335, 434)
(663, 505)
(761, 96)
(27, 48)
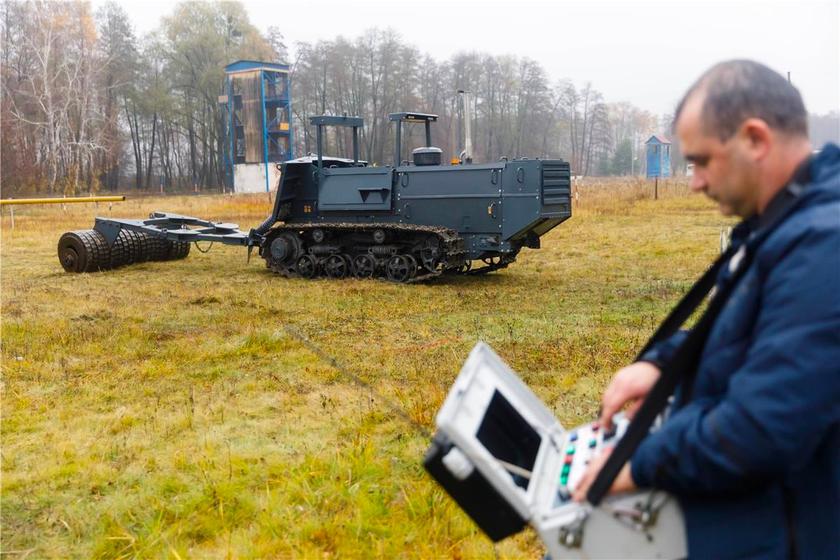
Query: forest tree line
(89, 106)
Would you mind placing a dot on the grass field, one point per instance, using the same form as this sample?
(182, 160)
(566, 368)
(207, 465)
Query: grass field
(161, 410)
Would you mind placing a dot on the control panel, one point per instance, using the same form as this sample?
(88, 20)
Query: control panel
(580, 446)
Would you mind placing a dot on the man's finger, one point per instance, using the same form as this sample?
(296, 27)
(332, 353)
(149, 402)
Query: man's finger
(609, 406)
(633, 409)
(589, 475)
(583, 486)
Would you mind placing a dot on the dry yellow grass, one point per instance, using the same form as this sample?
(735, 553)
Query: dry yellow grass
(159, 410)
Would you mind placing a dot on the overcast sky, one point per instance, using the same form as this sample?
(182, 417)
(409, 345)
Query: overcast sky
(643, 51)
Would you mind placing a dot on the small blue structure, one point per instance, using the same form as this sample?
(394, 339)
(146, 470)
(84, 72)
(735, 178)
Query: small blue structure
(256, 112)
(658, 156)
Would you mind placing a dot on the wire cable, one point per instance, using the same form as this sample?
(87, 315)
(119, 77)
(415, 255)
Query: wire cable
(335, 364)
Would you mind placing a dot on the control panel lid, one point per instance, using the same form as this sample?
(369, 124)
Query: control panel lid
(502, 428)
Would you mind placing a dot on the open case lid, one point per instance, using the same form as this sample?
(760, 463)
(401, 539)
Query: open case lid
(496, 421)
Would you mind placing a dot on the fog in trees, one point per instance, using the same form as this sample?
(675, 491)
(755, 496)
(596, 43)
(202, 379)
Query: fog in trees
(88, 105)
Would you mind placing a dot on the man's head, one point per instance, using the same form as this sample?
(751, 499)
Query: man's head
(744, 127)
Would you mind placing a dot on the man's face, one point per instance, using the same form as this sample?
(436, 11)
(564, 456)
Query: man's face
(722, 169)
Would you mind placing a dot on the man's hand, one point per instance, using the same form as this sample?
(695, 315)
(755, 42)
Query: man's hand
(622, 483)
(630, 384)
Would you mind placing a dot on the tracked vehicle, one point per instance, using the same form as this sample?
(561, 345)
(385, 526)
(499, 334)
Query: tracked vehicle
(339, 217)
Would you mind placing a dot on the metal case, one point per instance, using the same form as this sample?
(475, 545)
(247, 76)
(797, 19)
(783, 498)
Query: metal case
(493, 432)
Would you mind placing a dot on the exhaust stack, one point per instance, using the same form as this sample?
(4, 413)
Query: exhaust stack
(466, 103)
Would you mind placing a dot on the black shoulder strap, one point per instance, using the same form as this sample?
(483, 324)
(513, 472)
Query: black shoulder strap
(683, 364)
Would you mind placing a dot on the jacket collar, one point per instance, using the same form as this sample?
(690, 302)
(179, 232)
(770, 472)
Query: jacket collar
(779, 203)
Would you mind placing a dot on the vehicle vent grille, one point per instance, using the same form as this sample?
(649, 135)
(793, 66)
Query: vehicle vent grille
(556, 184)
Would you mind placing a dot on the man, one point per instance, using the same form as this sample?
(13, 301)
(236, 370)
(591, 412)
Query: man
(753, 454)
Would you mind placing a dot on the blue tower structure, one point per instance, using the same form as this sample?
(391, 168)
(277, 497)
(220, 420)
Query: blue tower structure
(658, 156)
(256, 113)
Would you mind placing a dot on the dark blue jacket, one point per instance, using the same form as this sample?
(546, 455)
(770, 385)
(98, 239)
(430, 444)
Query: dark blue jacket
(754, 456)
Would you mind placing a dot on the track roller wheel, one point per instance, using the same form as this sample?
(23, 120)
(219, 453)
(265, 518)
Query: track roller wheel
(336, 266)
(307, 266)
(412, 265)
(364, 266)
(400, 268)
(84, 251)
(285, 250)
(430, 254)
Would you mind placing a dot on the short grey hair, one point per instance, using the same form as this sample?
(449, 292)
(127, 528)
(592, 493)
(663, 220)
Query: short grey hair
(737, 90)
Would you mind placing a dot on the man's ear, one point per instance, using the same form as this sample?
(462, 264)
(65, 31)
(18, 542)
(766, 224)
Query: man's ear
(757, 137)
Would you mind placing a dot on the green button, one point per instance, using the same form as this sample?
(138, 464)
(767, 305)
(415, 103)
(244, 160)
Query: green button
(564, 479)
(566, 469)
(570, 450)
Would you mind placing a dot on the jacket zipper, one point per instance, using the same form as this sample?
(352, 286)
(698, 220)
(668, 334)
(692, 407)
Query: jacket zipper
(790, 524)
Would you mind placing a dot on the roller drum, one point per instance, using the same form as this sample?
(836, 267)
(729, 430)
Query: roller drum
(179, 250)
(84, 251)
(126, 248)
(154, 248)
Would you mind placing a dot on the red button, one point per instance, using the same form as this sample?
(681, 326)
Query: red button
(568, 460)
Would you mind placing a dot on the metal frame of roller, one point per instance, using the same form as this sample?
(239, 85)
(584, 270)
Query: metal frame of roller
(113, 243)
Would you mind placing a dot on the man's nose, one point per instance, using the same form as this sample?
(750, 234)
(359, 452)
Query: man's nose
(698, 183)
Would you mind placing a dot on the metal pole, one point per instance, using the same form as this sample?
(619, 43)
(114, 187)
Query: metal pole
(14, 202)
(289, 148)
(467, 127)
(397, 147)
(319, 141)
(12, 214)
(264, 127)
(355, 144)
(232, 132)
(428, 133)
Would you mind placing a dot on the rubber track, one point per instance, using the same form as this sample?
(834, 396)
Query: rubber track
(451, 241)
(448, 236)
